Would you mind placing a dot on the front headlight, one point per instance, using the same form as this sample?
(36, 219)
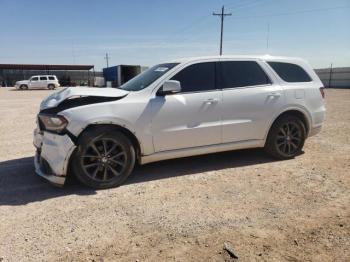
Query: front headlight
(53, 123)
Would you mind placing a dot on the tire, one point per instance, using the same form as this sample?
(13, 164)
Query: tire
(23, 87)
(104, 158)
(51, 87)
(286, 138)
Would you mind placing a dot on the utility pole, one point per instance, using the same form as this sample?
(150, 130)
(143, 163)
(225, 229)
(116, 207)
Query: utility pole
(73, 52)
(268, 37)
(107, 58)
(222, 15)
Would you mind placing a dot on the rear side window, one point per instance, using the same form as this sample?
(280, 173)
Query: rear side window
(197, 77)
(51, 78)
(240, 74)
(43, 78)
(290, 72)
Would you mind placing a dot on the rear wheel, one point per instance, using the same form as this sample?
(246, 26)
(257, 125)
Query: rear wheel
(286, 138)
(104, 158)
(51, 87)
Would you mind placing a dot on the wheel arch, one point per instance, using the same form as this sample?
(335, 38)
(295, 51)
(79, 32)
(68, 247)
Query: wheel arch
(129, 134)
(301, 114)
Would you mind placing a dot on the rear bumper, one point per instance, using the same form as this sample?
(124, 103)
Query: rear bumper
(315, 131)
(318, 118)
(52, 156)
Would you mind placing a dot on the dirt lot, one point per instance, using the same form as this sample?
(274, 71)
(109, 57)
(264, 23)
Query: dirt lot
(180, 210)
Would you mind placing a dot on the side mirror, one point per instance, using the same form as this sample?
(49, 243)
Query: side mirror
(169, 87)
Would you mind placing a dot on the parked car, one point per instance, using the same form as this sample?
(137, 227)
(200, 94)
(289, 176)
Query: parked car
(178, 109)
(40, 81)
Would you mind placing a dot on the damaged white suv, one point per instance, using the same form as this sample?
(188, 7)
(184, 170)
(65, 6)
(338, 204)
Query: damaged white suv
(187, 107)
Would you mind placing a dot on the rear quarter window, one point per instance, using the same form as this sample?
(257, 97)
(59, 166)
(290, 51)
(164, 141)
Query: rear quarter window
(291, 73)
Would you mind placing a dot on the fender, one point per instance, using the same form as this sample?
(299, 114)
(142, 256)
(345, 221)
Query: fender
(110, 121)
(294, 107)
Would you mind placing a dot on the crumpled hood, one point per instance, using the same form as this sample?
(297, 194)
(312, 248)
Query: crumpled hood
(56, 98)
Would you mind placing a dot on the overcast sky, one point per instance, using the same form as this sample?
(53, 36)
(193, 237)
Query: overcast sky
(152, 31)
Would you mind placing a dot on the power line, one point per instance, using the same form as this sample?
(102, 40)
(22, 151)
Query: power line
(193, 24)
(201, 19)
(222, 15)
(243, 5)
(293, 12)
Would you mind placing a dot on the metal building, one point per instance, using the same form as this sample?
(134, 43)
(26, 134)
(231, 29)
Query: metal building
(120, 74)
(68, 75)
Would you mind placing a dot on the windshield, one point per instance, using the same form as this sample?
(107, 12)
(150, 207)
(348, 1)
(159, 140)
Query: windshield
(148, 77)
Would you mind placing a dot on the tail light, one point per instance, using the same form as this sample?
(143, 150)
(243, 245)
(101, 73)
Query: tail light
(322, 92)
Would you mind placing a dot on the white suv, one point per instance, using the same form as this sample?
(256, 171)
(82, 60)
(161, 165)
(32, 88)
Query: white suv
(187, 107)
(41, 81)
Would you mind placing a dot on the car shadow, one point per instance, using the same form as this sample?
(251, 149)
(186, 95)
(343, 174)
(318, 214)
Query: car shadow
(20, 185)
(198, 164)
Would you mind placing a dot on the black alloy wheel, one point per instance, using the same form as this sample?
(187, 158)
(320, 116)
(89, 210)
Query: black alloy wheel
(286, 137)
(103, 159)
(289, 138)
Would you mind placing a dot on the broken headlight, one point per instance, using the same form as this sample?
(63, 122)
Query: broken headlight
(53, 123)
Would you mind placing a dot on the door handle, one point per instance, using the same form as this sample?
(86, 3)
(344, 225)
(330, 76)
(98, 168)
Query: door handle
(275, 94)
(211, 101)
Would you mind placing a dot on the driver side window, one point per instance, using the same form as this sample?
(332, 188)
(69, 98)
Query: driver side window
(34, 79)
(197, 77)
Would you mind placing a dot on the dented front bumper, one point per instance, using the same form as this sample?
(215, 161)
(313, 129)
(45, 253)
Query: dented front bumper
(52, 156)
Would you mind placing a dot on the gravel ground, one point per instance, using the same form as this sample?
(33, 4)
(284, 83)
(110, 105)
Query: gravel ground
(180, 210)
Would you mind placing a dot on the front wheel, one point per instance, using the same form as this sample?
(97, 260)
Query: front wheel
(103, 159)
(286, 138)
(51, 87)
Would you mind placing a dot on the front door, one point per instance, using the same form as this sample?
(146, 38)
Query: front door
(34, 82)
(190, 118)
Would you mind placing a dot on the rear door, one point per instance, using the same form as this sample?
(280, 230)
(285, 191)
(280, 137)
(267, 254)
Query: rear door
(42, 82)
(250, 100)
(193, 117)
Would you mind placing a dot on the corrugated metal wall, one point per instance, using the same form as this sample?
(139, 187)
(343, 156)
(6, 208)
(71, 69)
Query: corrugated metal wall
(335, 77)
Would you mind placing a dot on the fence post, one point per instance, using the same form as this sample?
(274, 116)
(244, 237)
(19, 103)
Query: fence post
(330, 76)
